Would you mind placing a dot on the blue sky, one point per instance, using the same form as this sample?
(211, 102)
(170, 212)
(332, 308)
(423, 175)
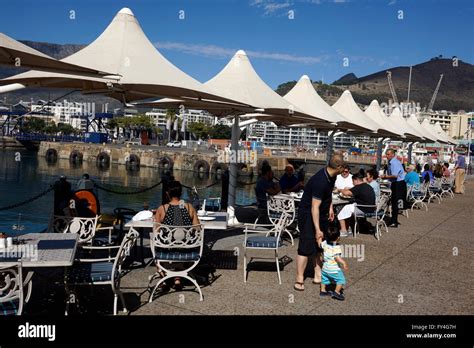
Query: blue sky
(315, 42)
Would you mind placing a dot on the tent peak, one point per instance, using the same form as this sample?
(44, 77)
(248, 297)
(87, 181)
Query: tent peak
(304, 77)
(241, 53)
(347, 92)
(127, 11)
(374, 102)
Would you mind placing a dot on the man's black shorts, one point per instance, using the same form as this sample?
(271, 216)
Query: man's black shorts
(307, 245)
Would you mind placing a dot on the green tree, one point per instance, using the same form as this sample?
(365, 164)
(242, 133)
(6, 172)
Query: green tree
(199, 130)
(66, 129)
(51, 128)
(34, 125)
(220, 131)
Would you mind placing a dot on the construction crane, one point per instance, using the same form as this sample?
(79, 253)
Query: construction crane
(392, 88)
(409, 85)
(435, 94)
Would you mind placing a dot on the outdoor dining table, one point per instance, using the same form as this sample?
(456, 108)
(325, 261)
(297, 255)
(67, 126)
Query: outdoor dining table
(36, 250)
(41, 250)
(210, 221)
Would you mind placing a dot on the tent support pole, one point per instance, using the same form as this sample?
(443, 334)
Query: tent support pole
(379, 153)
(330, 146)
(234, 166)
(410, 150)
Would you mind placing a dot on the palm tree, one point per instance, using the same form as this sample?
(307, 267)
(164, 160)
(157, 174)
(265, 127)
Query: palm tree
(170, 117)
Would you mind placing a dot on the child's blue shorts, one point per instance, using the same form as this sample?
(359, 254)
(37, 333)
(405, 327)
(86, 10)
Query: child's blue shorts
(333, 278)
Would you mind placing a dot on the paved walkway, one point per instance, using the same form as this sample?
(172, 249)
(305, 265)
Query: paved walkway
(423, 267)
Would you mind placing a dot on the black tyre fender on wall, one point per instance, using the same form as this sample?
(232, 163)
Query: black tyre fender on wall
(132, 161)
(103, 159)
(51, 155)
(76, 157)
(201, 166)
(166, 163)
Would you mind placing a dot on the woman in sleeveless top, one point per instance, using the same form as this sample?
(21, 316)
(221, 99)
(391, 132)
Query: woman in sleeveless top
(176, 213)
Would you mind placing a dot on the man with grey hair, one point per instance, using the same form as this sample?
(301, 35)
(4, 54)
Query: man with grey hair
(315, 212)
(396, 175)
(289, 182)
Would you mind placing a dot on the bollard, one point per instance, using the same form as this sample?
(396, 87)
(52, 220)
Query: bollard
(225, 190)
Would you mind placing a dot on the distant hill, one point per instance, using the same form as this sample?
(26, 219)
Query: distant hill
(456, 91)
(347, 79)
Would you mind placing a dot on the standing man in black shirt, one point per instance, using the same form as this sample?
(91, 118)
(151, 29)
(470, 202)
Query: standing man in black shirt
(315, 212)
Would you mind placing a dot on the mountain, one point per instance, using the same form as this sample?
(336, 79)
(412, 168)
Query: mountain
(456, 91)
(347, 79)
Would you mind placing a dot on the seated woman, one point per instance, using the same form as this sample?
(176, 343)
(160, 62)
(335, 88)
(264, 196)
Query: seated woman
(438, 171)
(371, 179)
(446, 171)
(411, 177)
(176, 213)
(427, 175)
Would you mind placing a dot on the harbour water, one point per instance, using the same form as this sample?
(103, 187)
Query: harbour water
(23, 175)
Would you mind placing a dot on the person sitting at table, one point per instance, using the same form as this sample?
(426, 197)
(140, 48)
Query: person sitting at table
(265, 185)
(289, 182)
(438, 171)
(363, 194)
(344, 180)
(371, 178)
(446, 171)
(427, 175)
(176, 213)
(412, 177)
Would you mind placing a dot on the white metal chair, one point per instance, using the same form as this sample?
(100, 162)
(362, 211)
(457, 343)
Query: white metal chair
(447, 186)
(86, 228)
(378, 213)
(270, 241)
(102, 271)
(11, 288)
(418, 194)
(276, 205)
(434, 190)
(176, 244)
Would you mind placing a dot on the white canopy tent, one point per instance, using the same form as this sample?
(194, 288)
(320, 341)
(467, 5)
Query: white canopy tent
(347, 107)
(428, 128)
(439, 130)
(387, 128)
(305, 97)
(239, 81)
(16, 54)
(427, 134)
(139, 70)
(398, 120)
